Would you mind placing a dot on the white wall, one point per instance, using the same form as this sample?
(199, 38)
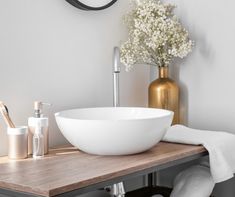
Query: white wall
(53, 52)
(207, 75)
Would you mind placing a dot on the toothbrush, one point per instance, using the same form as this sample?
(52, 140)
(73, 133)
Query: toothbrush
(5, 114)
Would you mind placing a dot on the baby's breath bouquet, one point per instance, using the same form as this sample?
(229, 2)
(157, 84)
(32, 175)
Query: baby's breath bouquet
(155, 35)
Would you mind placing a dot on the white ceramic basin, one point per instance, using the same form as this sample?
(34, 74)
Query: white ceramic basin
(114, 131)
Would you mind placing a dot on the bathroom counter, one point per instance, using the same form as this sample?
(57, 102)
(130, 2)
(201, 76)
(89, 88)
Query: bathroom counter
(66, 171)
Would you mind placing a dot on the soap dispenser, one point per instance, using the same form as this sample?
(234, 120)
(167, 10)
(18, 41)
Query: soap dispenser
(33, 123)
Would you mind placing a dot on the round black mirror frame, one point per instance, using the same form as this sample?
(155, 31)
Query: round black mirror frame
(83, 6)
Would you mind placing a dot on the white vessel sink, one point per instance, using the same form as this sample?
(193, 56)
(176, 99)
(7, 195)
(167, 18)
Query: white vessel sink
(114, 131)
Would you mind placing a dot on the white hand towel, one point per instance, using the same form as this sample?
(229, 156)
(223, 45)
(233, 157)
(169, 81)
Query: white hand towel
(195, 181)
(220, 145)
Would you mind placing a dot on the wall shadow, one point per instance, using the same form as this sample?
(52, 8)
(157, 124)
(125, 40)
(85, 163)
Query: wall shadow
(175, 75)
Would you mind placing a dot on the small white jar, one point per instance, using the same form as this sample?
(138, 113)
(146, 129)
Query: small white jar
(17, 142)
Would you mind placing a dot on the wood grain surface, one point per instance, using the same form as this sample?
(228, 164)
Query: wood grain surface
(66, 169)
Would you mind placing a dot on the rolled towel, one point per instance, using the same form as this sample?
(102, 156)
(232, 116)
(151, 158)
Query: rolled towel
(195, 181)
(220, 146)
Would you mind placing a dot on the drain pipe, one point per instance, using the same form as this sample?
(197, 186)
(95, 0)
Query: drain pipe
(116, 190)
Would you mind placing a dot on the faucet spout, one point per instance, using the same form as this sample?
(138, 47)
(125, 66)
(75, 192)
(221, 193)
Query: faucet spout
(116, 71)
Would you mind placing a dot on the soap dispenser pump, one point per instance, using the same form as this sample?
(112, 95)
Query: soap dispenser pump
(33, 123)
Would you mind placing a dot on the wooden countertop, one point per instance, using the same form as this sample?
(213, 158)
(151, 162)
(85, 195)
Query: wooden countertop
(68, 169)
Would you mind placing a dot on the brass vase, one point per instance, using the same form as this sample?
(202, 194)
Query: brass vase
(164, 93)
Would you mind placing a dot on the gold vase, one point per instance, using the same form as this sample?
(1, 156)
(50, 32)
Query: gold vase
(164, 93)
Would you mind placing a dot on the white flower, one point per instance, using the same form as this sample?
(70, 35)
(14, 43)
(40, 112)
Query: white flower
(155, 35)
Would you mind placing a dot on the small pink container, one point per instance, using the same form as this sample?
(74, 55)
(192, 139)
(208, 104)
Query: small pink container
(17, 142)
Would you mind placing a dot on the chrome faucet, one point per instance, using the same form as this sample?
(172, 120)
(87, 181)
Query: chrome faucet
(116, 72)
(116, 190)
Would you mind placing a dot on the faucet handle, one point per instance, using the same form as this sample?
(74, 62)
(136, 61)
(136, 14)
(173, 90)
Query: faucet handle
(116, 60)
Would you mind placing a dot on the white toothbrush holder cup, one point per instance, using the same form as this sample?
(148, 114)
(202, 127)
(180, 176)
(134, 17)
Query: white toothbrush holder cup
(17, 142)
